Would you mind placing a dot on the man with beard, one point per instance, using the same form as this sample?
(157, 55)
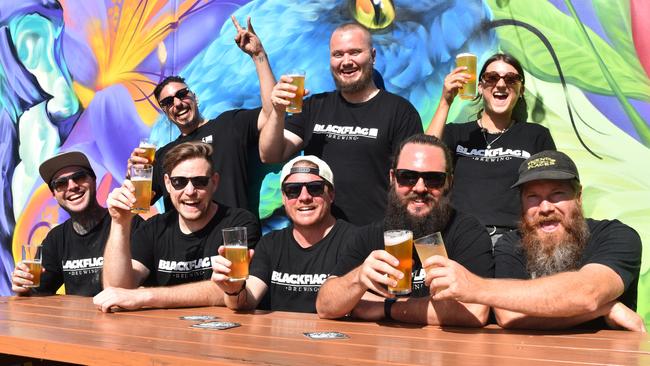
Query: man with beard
(73, 251)
(355, 129)
(233, 134)
(171, 253)
(559, 269)
(420, 179)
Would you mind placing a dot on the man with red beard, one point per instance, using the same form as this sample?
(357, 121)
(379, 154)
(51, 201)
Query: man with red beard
(559, 270)
(355, 129)
(171, 253)
(418, 200)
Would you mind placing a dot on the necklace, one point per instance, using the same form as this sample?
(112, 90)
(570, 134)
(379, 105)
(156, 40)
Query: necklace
(484, 131)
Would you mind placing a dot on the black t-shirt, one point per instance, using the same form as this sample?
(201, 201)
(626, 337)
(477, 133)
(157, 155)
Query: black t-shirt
(294, 274)
(234, 138)
(611, 243)
(357, 142)
(483, 177)
(74, 260)
(173, 257)
(466, 242)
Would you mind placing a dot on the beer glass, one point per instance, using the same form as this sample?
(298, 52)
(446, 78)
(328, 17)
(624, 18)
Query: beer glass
(141, 178)
(298, 77)
(430, 245)
(149, 150)
(31, 255)
(399, 243)
(236, 251)
(468, 91)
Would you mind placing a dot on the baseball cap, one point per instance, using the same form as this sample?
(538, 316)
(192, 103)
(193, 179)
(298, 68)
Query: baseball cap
(549, 164)
(322, 171)
(71, 158)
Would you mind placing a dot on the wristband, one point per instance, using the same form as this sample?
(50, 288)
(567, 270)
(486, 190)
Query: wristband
(237, 292)
(388, 305)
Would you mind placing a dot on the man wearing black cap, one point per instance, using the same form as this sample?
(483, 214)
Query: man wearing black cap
(290, 265)
(73, 251)
(559, 269)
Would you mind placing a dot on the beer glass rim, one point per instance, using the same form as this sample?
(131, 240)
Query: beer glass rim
(424, 239)
(295, 72)
(465, 54)
(234, 228)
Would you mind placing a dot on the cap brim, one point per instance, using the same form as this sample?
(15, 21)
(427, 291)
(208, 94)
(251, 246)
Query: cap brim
(554, 175)
(72, 158)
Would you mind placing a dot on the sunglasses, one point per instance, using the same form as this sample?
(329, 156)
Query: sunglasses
(169, 101)
(61, 184)
(491, 78)
(432, 180)
(197, 182)
(293, 190)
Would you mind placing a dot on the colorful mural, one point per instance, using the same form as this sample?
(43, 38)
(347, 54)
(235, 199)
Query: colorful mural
(80, 75)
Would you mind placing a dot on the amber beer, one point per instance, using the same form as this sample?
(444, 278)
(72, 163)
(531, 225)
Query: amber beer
(141, 179)
(468, 91)
(430, 245)
(298, 79)
(238, 256)
(149, 150)
(35, 269)
(399, 243)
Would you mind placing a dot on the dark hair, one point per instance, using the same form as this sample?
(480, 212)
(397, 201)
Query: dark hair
(423, 139)
(186, 151)
(520, 111)
(167, 80)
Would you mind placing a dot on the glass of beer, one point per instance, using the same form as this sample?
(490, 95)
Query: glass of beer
(141, 175)
(149, 150)
(31, 254)
(468, 91)
(430, 245)
(399, 243)
(236, 251)
(298, 79)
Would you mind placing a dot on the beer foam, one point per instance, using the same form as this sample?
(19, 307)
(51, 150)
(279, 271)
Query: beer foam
(146, 145)
(396, 237)
(467, 54)
(139, 179)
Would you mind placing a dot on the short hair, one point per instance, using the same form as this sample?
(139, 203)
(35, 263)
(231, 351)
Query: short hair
(167, 80)
(423, 139)
(187, 151)
(351, 26)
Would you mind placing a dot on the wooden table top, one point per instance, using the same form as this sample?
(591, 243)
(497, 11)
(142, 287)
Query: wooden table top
(70, 329)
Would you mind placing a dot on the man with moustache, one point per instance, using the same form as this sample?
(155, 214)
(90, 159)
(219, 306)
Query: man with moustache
(559, 270)
(290, 265)
(171, 253)
(355, 129)
(72, 253)
(418, 200)
(233, 134)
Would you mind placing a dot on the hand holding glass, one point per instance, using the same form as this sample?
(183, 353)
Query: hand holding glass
(149, 150)
(468, 91)
(31, 255)
(430, 245)
(236, 251)
(141, 178)
(399, 243)
(298, 79)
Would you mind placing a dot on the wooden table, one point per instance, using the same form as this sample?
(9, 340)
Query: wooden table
(70, 329)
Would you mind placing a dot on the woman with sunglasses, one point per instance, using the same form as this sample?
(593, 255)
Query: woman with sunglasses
(487, 152)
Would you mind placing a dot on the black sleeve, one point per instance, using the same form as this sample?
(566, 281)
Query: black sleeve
(246, 120)
(142, 243)
(509, 259)
(52, 278)
(260, 265)
(473, 247)
(619, 248)
(408, 124)
(295, 122)
(546, 141)
(353, 255)
(157, 179)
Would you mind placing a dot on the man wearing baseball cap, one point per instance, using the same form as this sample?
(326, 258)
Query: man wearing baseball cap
(73, 251)
(559, 270)
(289, 265)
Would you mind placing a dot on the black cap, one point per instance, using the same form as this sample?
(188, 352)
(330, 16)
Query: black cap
(71, 158)
(549, 164)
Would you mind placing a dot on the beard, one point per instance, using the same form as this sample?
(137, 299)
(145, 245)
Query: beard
(354, 86)
(398, 217)
(552, 253)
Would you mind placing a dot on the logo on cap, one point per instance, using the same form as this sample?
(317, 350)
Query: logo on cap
(540, 162)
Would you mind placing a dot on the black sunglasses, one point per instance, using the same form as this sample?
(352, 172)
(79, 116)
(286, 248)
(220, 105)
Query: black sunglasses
(60, 184)
(293, 190)
(169, 101)
(197, 182)
(432, 180)
(492, 78)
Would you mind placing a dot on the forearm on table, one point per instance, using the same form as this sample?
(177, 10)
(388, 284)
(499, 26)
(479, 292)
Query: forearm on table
(203, 293)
